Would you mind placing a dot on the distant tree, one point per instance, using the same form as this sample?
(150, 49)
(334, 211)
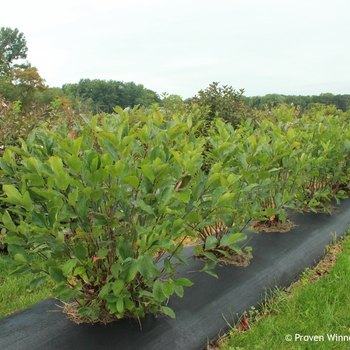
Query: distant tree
(271, 100)
(18, 81)
(173, 104)
(13, 46)
(221, 101)
(342, 102)
(101, 95)
(305, 102)
(137, 94)
(254, 102)
(46, 96)
(27, 81)
(293, 100)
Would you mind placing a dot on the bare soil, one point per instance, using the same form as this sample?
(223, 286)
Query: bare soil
(234, 259)
(273, 226)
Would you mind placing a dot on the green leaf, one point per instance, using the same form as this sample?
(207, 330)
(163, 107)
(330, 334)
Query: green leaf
(125, 249)
(82, 207)
(69, 293)
(210, 256)
(48, 194)
(56, 164)
(236, 248)
(198, 191)
(5, 167)
(177, 130)
(141, 204)
(13, 195)
(7, 221)
(27, 202)
(104, 291)
(167, 311)
(224, 198)
(56, 274)
(183, 195)
(249, 187)
(86, 119)
(38, 219)
(231, 238)
(194, 218)
(179, 290)
(119, 167)
(53, 216)
(168, 289)
(148, 172)
(37, 282)
(212, 178)
(184, 282)
(117, 287)
(211, 242)
(129, 269)
(20, 258)
(111, 298)
(102, 253)
(85, 311)
(56, 292)
(120, 304)
(73, 197)
(80, 251)
(211, 273)
(147, 266)
(130, 305)
(34, 179)
(69, 266)
(74, 163)
(76, 146)
(158, 291)
(168, 267)
(218, 192)
(270, 212)
(99, 219)
(62, 180)
(132, 181)
(21, 270)
(79, 271)
(198, 250)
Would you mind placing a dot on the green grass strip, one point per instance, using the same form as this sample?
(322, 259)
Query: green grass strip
(313, 316)
(14, 290)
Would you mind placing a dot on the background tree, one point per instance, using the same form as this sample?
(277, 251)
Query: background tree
(13, 46)
(223, 102)
(98, 95)
(27, 81)
(341, 102)
(18, 81)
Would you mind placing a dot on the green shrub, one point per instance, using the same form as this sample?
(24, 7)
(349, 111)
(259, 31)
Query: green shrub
(105, 213)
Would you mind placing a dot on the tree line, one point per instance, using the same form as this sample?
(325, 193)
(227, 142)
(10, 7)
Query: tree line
(342, 102)
(21, 82)
(102, 96)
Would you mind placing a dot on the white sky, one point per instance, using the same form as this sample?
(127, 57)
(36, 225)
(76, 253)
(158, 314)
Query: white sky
(298, 47)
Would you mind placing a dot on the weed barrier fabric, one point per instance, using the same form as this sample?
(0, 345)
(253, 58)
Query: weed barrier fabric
(205, 309)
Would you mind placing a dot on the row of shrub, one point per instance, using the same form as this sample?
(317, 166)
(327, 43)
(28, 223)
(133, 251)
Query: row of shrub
(104, 206)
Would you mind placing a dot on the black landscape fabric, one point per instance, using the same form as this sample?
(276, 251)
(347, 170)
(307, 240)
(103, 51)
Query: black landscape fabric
(205, 309)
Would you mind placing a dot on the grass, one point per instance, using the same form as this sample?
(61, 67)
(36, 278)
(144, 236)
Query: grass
(15, 294)
(308, 314)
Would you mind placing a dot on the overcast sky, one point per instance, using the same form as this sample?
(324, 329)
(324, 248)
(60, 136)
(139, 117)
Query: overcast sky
(299, 47)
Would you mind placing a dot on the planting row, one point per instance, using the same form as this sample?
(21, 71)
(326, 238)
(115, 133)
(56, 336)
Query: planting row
(105, 208)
